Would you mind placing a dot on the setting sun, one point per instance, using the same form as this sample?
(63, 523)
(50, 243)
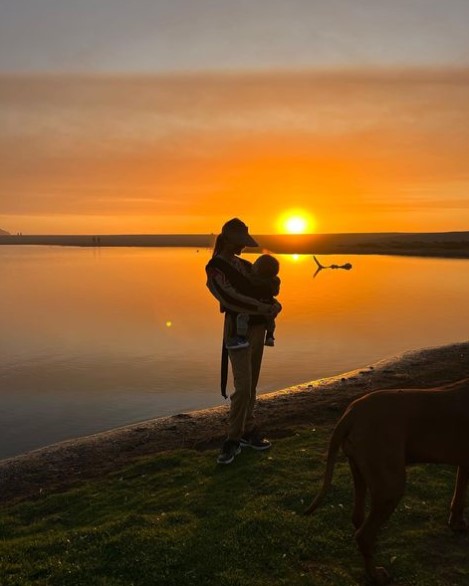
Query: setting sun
(295, 225)
(296, 222)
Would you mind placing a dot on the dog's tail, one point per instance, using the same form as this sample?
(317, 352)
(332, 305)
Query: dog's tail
(340, 432)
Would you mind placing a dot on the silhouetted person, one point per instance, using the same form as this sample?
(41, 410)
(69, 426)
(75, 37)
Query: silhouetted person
(264, 277)
(228, 279)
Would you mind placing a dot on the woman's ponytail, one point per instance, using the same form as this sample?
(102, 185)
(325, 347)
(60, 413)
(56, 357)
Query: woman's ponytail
(219, 244)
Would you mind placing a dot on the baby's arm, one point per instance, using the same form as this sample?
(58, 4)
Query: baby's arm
(275, 286)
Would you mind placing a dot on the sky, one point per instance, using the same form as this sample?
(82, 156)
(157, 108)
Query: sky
(172, 116)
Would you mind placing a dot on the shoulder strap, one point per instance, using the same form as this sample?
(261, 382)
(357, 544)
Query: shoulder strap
(224, 369)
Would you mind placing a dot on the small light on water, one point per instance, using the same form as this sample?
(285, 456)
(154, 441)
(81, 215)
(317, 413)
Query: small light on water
(169, 324)
(295, 258)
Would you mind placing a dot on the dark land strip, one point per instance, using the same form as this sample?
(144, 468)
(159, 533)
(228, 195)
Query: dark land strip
(433, 244)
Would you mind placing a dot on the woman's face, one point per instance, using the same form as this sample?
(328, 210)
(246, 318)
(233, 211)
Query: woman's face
(232, 248)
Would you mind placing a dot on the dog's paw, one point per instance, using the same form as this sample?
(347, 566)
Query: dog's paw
(380, 576)
(457, 524)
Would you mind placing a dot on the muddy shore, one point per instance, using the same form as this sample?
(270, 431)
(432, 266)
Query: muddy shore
(65, 464)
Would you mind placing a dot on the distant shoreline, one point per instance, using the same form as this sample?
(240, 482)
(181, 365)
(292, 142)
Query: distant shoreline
(427, 244)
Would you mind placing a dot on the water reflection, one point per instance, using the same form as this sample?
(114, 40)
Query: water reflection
(93, 340)
(346, 266)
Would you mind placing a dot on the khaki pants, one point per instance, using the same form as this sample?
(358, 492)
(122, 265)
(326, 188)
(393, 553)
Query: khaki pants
(246, 366)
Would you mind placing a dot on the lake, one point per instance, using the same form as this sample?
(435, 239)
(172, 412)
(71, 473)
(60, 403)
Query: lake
(96, 338)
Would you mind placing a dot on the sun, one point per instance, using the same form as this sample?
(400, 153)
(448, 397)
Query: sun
(295, 225)
(296, 222)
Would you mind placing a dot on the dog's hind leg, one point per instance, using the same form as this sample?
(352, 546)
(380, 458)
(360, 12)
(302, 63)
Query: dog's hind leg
(359, 495)
(385, 496)
(456, 517)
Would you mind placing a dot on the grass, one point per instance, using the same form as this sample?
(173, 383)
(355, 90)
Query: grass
(178, 519)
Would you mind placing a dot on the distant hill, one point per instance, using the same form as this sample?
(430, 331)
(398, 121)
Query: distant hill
(4, 233)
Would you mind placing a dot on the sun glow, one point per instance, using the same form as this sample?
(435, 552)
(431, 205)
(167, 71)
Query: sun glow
(295, 225)
(295, 258)
(296, 222)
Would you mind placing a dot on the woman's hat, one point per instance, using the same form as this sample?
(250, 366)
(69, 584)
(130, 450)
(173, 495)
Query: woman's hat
(236, 231)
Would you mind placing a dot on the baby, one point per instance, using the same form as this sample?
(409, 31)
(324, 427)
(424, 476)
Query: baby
(265, 279)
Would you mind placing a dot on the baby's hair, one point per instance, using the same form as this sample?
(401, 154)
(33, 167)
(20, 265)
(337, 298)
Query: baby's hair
(267, 266)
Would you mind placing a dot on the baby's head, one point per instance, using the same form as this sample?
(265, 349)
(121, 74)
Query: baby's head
(266, 266)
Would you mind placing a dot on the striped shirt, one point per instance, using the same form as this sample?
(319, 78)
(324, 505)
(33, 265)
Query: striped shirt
(228, 295)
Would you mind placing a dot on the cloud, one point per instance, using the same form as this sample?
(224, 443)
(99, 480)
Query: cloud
(183, 35)
(192, 144)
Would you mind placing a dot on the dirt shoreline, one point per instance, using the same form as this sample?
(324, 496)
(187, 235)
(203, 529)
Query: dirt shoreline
(62, 465)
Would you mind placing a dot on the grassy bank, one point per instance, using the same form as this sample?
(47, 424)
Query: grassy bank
(179, 519)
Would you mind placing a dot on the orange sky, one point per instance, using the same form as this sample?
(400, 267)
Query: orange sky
(361, 151)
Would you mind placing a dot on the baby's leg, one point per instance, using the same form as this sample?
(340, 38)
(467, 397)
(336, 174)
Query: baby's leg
(270, 327)
(269, 334)
(242, 322)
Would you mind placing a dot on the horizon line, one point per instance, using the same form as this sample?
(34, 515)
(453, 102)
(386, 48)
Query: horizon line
(94, 234)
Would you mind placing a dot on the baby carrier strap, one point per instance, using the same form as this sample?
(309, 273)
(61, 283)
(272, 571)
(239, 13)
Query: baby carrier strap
(223, 369)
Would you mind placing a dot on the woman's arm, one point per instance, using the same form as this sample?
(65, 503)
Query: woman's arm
(230, 298)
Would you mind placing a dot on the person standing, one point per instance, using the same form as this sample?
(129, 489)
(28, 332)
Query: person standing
(228, 281)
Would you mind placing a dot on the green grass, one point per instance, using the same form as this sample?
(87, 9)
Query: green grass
(179, 519)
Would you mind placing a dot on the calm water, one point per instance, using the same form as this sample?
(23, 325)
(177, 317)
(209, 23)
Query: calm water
(95, 339)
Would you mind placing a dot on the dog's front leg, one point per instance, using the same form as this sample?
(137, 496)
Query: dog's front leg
(366, 537)
(456, 517)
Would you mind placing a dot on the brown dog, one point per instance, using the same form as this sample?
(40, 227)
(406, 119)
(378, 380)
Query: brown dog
(383, 432)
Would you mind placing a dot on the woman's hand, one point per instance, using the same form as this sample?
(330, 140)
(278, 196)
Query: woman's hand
(276, 307)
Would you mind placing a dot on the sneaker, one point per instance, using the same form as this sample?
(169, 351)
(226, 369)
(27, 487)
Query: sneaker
(255, 441)
(236, 343)
(229, 450)
(269, 341)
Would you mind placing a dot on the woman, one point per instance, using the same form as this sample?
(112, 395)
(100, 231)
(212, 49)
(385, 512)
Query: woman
(228, 281)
